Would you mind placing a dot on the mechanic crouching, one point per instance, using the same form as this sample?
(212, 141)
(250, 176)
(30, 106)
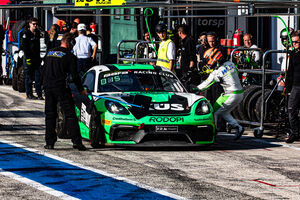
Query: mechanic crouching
(227, 75)
(59, 63)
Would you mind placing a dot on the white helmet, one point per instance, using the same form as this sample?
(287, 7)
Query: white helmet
(81, 27)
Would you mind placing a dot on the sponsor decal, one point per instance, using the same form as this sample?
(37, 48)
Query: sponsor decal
(84, 115)
(106, 122)
(99, 2)
(201, 119)
(166, 119)
(167, 106)
(121, 118)
(211, 22)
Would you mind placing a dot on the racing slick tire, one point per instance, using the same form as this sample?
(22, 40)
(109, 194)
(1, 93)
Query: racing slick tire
(15, 79)
(243, 106)
(21, 79)
(61, 125)
(251, 106)
(95, 129)
(16, 28)
(273, 106)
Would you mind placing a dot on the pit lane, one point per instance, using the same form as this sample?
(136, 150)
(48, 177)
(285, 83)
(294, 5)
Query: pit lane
(247, 169)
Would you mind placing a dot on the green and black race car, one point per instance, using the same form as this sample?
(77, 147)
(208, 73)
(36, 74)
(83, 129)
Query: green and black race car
(141, 105)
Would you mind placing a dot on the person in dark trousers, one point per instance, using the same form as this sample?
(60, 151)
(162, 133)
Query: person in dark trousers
(32, 59)
(293, 86)
(2, 36)
(59, 63)
(188, 58)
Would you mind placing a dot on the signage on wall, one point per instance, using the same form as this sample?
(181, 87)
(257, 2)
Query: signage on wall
(100, 2)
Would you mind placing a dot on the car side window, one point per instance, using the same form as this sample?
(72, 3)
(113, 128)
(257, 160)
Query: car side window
(89, 80)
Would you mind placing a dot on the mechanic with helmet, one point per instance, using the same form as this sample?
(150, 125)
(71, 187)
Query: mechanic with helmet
(59, 63)
(166, 50)
(226, 74)
(85, 50)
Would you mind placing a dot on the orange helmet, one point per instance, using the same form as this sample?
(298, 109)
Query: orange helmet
(212, 56)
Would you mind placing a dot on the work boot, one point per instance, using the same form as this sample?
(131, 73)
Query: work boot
(292, 138)
(49, 146)
(239, 132)
(40, 98)
(31, 96)
(80, 147)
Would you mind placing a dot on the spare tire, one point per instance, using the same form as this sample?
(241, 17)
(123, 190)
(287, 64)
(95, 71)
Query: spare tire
(273, 106)
(243, 106)
(16, 28)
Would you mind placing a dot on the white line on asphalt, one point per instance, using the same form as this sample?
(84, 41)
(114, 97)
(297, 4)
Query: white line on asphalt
(37, 185)
(165, 193)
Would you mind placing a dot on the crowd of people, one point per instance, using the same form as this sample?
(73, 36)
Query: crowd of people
(202, 68)
(83, 45)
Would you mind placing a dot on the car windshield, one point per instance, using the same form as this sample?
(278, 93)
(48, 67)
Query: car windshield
(138, 80)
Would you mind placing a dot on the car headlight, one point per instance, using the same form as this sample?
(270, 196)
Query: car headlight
(202, 108)
(116, 108)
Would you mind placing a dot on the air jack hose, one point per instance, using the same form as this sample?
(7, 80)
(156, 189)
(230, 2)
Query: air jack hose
(146, 20)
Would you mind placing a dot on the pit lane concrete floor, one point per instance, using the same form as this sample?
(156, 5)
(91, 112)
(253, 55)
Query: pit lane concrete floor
(249, 168)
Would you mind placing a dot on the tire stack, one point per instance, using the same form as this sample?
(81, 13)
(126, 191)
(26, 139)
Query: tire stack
(18, 78)
(250, 107)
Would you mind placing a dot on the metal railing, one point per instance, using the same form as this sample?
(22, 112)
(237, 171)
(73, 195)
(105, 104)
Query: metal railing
(135, 58)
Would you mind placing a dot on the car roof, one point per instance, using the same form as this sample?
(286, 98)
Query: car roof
(114, 67)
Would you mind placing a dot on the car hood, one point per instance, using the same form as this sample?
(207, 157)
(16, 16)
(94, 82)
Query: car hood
(156, 102)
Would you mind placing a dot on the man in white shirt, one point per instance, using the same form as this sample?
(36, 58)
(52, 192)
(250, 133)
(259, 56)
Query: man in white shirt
(249, 44)
(85, 49)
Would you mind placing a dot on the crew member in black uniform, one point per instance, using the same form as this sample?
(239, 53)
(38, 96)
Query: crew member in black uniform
(32, 59)
(59, 63)
(293, 86)
(188, 58)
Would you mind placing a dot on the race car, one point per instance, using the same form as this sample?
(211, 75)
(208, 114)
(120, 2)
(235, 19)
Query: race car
(139, 104)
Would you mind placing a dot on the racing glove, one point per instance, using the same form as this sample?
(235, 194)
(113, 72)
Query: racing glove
(193, 88)
(28, 62)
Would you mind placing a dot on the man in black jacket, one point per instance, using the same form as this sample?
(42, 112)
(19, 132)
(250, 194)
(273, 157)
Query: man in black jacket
(32, 59)
(59, 63)
(188, 52)
(293, 86)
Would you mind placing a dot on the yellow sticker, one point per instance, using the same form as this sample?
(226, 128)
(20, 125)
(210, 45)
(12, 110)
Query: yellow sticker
(106, 122)
(100, 2)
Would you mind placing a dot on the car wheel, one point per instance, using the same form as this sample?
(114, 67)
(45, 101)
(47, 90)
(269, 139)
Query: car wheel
(94, 129)
(61, 126)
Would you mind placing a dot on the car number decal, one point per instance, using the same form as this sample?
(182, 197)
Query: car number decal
(84, 115)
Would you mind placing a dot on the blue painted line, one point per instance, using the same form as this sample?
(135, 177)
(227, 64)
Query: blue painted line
(69, 179)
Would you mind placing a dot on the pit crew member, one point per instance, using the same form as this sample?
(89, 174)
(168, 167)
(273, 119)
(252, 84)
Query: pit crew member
(59, 63)
(227, 75)
(166, 50)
